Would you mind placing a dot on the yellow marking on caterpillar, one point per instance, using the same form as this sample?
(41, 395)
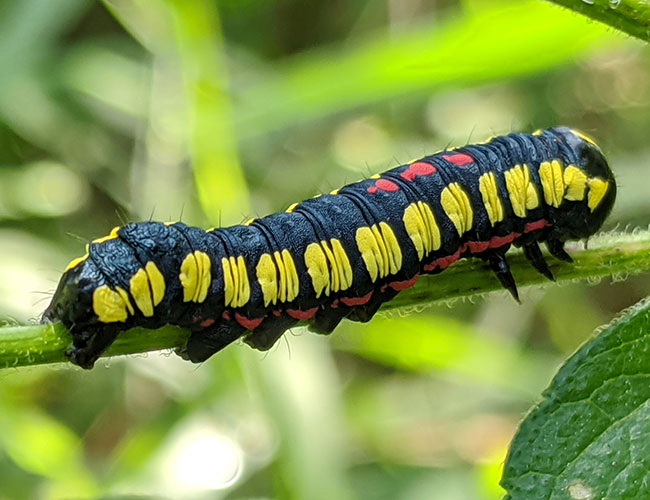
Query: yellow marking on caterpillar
(377, 176)
(289, 285)
(392, 245)
(75, 262)
(141, 292)
(249, 222)
(335, 191)
(487, 185)
(170, 223)
(109, 305)
(457, 206)
(379, 250)
(291, 278)
(422, 228)
(110, 236)
(383, 252)
(522, 193)
(538, 132)
(328, 266)
(597, 190)
(575, 181)
(200, 273)
(291, 208)
(156, 281)
(342, 264)
(267, 279)
(283, 273)
(369, 249)
(125, 298)
(550, 173)
(189, 277)
(316, 263)
(230, 288)
(335, 281)
(205, 275)
(235, 279)
(584, 137)
(195, 276)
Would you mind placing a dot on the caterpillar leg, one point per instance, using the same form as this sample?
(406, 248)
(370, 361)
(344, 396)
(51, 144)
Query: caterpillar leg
(500, 266)
(327, 319)
(204, 343)
(534, 255)
(88, 346)
(268, 333)
(365, 312)
(556, 248)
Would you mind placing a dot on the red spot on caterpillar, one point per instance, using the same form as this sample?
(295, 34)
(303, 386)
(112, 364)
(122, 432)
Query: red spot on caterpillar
(478, 246)
(459, 159)
(384, 185)
(226, 315)
(277, 313)
(207, 322)
(482, 246)
(248, 323)
(499, 241)
(403, 285)
(418, 168)
(335, 304)
(534, 226)
(302, 315)
(356, 301)
(443, 262)
(383, 288)
(195, 319)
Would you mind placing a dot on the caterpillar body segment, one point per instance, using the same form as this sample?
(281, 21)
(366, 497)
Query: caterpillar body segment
(337, 255)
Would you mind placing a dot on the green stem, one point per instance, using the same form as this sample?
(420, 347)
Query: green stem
(616, 255)
(629, 16)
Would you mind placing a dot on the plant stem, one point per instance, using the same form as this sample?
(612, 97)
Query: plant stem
(629, 16)
(616, 255)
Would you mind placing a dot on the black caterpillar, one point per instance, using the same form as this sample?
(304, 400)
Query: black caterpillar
(338, 255)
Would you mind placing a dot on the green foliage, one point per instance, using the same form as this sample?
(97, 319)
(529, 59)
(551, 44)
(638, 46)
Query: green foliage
(629, 16)
(222, 110)
(589, 437)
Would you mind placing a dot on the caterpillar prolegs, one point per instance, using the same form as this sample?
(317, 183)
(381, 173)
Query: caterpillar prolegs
(338, 255)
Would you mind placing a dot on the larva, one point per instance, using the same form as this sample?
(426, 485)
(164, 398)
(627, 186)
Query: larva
(338, 255)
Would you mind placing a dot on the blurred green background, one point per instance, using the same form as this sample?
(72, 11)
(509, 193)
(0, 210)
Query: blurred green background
(214, 112)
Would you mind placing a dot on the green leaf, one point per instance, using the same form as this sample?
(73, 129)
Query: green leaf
(589, 437)
(630, 16)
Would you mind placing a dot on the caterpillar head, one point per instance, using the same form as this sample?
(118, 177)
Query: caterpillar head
(590, 183)
(74, 305)
(71, 304)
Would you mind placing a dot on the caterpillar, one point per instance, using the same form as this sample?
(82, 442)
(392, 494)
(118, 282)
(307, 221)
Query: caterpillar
(337, 255)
